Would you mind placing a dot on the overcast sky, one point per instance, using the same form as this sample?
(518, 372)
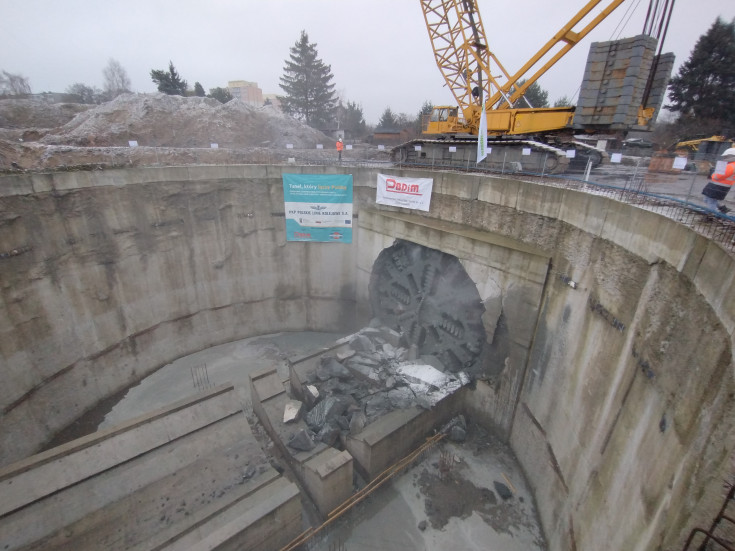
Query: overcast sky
(379, 50)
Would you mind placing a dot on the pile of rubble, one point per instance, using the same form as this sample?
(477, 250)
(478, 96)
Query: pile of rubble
(37, 135)
(362, 382)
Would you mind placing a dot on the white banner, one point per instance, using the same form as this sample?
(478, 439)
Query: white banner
(409, 193)
(482, 133)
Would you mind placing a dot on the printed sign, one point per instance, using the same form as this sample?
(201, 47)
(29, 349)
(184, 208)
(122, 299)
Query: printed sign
(526, 151)
(318, 207)
(409, 193)
(571, 153)
(680, 162)
(616, 158)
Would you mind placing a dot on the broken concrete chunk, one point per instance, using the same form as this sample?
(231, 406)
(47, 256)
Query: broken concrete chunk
(433, 361)
(357, 422)
(311, 395)
(376, 405)
(328, 434)
(326, 410)
(330, 367)
(313, 391)
(457, 434)
(292, 411)
(390, 335)
(345, 355)
(361, 343)
(401, 398)
(423, 374)
(302, 441)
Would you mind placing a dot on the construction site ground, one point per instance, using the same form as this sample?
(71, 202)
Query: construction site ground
(449, 499)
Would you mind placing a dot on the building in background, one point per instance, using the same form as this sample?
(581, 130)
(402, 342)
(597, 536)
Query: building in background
(272, 99)
(246, 91)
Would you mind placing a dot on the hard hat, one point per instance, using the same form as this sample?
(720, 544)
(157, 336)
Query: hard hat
(729, 152)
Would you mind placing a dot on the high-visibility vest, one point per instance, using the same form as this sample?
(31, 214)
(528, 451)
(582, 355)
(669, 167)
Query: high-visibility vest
(726, 179)
(339, 146)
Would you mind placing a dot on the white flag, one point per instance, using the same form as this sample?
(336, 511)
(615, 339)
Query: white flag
(482, 134)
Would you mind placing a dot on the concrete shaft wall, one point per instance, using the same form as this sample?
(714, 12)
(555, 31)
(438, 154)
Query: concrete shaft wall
(615, 394)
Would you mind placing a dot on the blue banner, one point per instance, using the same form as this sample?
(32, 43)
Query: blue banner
(318, 207)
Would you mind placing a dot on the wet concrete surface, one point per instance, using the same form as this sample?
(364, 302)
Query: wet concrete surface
(434, 509)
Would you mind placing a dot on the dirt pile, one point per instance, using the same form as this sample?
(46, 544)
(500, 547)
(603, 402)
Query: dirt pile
(35, 135)
(159, 120)
(38, 114)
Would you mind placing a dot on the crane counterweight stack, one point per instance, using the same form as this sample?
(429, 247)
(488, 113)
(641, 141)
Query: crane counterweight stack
(624, 85)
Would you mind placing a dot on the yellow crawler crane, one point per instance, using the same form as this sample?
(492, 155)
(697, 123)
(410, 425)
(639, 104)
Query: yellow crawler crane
(473, 73)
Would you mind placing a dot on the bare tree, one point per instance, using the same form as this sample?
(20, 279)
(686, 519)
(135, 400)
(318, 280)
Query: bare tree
(116, 79)
(13, 84)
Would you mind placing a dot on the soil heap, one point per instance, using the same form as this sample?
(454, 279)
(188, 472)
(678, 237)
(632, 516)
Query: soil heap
(37, 135)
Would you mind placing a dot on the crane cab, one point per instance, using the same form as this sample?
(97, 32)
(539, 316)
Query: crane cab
(443, 119)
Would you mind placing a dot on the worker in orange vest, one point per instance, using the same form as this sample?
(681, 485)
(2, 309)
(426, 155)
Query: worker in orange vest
(339, 149)
(720, 182)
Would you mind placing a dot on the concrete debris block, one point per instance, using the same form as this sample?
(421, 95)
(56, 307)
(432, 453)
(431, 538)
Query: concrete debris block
(433, 361)
(357, 422)
(249, 472)
(413, 352)
(364, 372)
(458, 421)
(389, 350)
(328, 434)
(311, 395)
(361, 343)
(330, 367)
(390, 336)
(502, 490)
(302, 441)
(292, 411)
(365, 359)
(457, 434)
(345, 355)
(342, 423)
(376, 405)
(327, 410)
(423, 374)
(390, 382)
(401, 398)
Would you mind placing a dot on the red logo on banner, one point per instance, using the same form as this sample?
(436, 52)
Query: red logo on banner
(400, 187)
(335, 235)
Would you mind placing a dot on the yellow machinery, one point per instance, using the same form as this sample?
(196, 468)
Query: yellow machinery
(473, 73)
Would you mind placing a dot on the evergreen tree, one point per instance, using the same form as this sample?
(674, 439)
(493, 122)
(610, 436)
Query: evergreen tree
(704, 88)
(387, 120)
(425, 111)
(169, 82)
(353, 120)
(307, 82)
(222, 95)
(199, 90)
(536, 96)
(564, 101)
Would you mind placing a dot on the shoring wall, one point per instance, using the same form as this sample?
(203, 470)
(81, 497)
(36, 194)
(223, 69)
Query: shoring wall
(621, 416)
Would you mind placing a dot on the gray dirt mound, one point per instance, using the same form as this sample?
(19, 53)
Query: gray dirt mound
(159, 120)
(37, 113)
